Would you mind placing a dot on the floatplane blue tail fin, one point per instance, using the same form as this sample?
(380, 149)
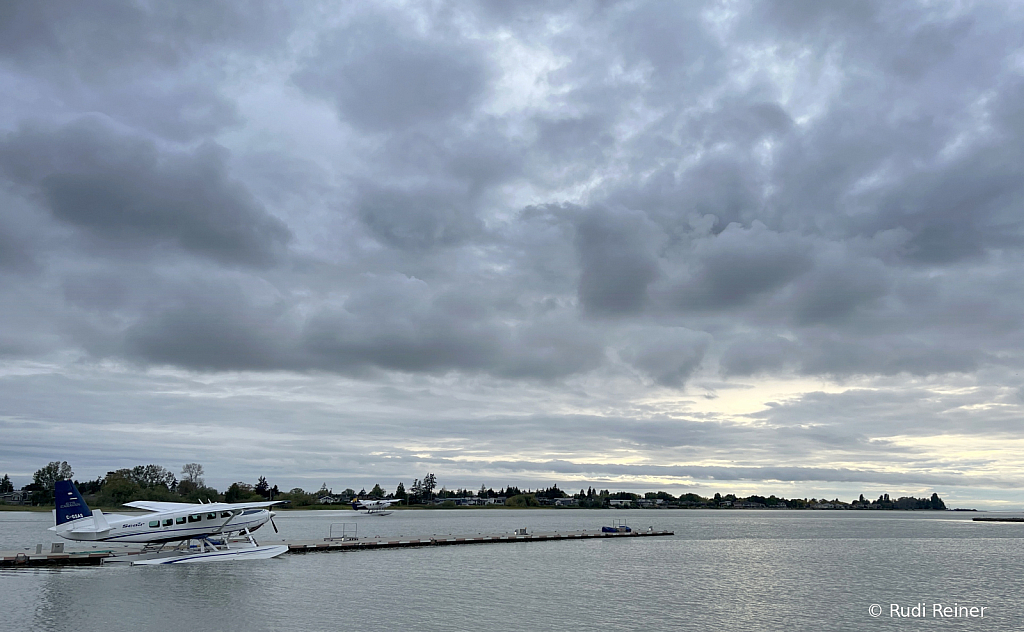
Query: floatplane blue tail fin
(70, 504)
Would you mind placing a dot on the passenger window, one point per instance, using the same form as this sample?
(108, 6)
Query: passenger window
(180, 520)
(195, 517)
(225, 514)
(153, 524)
(168, 522)
(211, 516)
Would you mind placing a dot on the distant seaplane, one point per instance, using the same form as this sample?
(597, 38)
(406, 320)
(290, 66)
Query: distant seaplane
(208, 524)
(374, 507)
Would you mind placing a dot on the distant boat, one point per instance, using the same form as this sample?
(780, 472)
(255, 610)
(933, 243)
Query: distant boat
(618, 526)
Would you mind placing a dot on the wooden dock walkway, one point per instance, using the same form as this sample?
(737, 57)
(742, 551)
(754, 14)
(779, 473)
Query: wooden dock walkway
(87, 557)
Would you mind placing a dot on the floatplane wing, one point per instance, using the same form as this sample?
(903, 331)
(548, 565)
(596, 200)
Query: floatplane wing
(155, 506)
(160, 507)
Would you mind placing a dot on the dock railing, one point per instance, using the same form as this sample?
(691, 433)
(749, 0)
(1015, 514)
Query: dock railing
(346, 531)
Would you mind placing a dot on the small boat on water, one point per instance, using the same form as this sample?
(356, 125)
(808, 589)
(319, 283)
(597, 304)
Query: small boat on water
(618, 526)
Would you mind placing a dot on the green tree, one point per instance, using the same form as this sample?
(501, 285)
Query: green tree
(262, 487)
(378, 491)
(428, 485)
(152, 476)
(936, 502)
(233, 494)
(299, 497)
(117, 490)
(54, 471)
(6, 485)
(204, 494)
(46, 477)
(522, 500)
(400, 491)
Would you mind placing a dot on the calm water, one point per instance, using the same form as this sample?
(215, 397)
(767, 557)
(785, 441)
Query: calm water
(726, 570)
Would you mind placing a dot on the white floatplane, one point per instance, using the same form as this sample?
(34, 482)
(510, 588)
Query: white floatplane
(374, 507)
(202, 528)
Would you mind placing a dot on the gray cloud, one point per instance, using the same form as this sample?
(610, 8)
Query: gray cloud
(781, 474)
(835, 291)
(616, 260)
(739, 264)
(422, 217)
(149, 64)
(671, 358)
(523, 234)
(752, 354)
(121, 188)
(382, 75)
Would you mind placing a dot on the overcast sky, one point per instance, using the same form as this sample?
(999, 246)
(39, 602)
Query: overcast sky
(771, 247)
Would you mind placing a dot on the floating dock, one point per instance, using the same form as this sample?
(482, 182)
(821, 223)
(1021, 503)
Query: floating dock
(998, 519)
(92, 557)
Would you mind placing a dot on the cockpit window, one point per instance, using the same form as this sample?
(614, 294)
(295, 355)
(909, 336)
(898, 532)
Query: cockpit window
(225, 514)
(153, 524)
(251, 511)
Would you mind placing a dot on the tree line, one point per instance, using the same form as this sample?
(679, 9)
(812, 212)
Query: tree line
(157, 483)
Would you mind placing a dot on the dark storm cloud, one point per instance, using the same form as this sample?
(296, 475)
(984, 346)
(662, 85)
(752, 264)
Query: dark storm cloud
(124, 190)
(383, 75)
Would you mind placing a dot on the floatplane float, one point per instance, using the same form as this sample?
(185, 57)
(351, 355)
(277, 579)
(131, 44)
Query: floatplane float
(202, 530)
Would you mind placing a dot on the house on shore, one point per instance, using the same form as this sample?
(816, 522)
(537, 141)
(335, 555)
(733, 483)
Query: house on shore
(17, 497)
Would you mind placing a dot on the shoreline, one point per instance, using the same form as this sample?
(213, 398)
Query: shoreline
(131, 510)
